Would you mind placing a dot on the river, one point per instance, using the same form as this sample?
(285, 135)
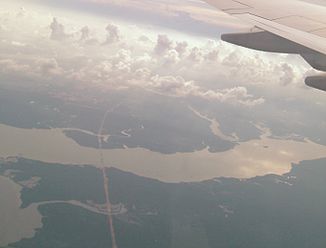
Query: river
(248, 159)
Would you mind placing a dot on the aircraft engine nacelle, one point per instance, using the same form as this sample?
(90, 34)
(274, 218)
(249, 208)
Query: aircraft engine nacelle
(317, 82)
(264, 41)
(268, 42)
(316, 60)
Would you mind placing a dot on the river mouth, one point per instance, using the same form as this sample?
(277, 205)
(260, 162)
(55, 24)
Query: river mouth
(248, 159)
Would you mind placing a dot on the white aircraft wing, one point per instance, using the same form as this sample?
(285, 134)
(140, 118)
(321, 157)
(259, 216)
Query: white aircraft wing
(286, 26)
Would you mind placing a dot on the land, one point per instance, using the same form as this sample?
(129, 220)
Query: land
(135, 118)
(267, 211)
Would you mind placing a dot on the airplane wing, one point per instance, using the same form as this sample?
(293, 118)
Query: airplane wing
(286, 26)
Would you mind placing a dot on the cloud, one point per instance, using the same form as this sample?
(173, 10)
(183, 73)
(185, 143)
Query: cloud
(195, 55)
(182, 47)
(287, 74)
(212, 55)
(210, 70)
(141, 74)
(236, 95)
(3, 28)
(85, 33)
(171, 58)
(12, 66)
(163, 44)
(49, 67)
(22, 12)
(57, 30)
(113, 33)
(18, 44)
(178, 86)
(144, 38)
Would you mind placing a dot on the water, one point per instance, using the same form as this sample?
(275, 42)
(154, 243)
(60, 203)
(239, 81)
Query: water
(248, 159)
(15, 223)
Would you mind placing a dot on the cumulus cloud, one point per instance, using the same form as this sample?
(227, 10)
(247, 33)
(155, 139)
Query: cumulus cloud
(236, 95)
(178, 86)
(212, 55)
(171, 85)
(175, 52)
(287, 74)
(195, 55)
(86, 36)
(57, 30)
(85, 33)
(163, 44)
(211, 70)
(232, 59)
(171, 57)
(142, 74)
(113, 33)
(49, 67)
(182, 47)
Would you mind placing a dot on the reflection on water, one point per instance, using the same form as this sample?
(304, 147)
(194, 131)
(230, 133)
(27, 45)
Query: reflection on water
(15, 223)
(256, 157)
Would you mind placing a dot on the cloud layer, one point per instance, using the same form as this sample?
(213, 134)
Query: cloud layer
(110, 56)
